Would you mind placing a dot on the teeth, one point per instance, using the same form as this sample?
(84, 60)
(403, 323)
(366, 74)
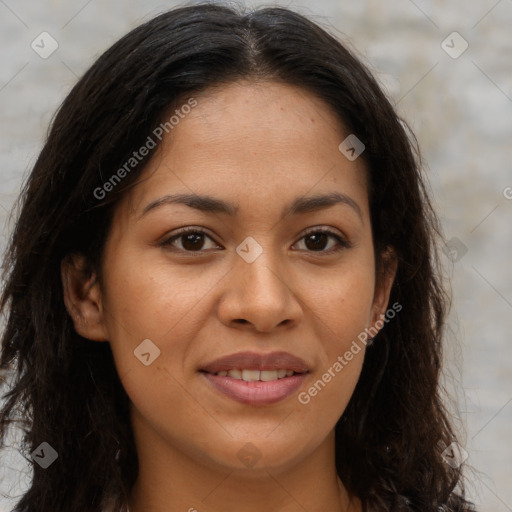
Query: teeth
(255, 375)
(266, 375)
(250, 375)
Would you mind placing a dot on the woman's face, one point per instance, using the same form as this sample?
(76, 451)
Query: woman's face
(258, 286)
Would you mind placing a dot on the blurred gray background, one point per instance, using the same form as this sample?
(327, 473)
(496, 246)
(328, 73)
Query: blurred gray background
(455, 90)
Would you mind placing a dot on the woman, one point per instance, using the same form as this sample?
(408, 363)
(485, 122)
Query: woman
(180, 338)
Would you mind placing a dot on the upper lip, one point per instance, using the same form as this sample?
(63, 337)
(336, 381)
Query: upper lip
(256, 361)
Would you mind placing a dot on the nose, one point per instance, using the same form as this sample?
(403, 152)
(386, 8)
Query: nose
(259, 295)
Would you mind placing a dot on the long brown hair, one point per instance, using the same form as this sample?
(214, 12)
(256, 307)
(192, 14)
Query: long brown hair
(65, 390)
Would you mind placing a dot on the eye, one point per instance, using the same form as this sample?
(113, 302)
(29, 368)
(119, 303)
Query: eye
(191, 240)
(316, 239)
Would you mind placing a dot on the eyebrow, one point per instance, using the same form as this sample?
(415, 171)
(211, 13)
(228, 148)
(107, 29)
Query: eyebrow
(214, 205)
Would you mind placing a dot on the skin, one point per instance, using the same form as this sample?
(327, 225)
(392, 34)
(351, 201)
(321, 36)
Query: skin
(259, 145)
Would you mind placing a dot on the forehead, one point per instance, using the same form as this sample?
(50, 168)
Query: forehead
(253, 141)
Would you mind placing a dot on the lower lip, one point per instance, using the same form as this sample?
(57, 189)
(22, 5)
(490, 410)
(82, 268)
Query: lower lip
(256, 392)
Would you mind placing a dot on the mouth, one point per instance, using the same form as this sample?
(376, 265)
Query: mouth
(256, 379)
(256, 375)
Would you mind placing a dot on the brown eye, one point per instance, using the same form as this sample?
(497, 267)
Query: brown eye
(191, 240)
(316, 241)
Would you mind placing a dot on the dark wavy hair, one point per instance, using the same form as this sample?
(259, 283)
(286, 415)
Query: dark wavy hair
(65, 389)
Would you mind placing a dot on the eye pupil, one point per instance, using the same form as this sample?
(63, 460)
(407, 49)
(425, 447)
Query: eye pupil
(195, 240)
(319, 241)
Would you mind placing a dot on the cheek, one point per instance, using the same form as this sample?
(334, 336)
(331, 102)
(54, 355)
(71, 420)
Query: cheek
(341, 311)
(161, 403)
(327, 394)
(342, 300)
(148, 300)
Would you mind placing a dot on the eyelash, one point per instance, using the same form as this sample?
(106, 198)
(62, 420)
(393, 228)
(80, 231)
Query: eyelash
(342, 243)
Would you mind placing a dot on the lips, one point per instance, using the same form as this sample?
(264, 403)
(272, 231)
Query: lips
(274, 361)
(256, 379)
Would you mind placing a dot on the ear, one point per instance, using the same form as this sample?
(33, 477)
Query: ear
(383, 284)
(82, 297)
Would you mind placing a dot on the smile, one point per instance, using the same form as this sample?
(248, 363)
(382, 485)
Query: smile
(254, 378)
(256, 375)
